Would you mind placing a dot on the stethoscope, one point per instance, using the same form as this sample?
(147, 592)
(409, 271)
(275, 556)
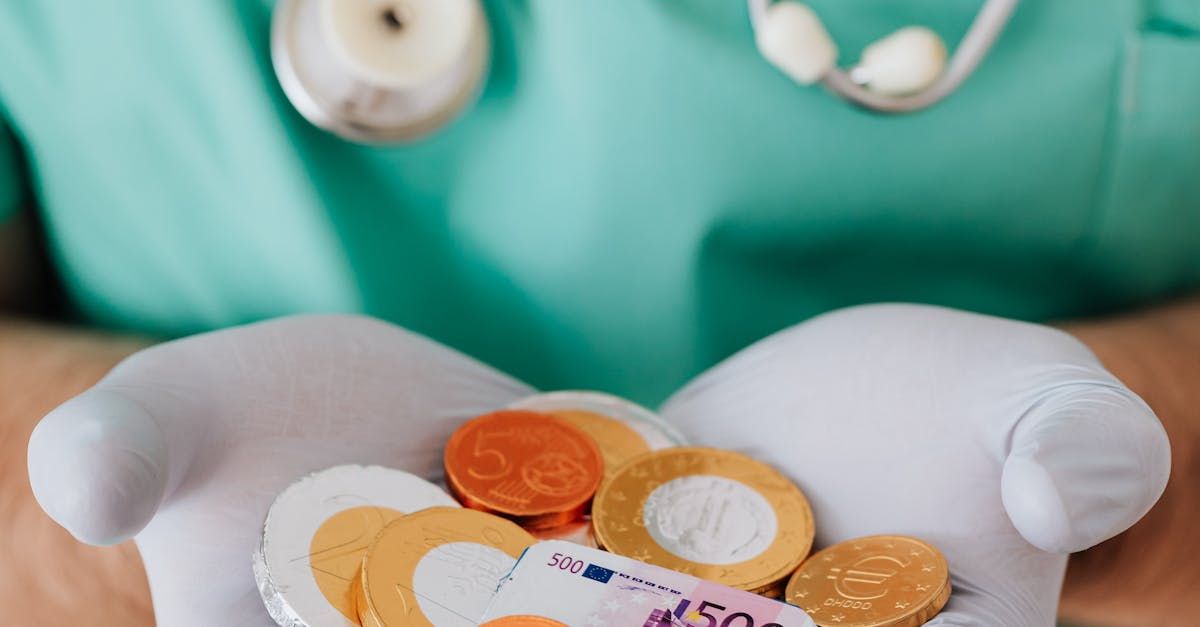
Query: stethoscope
(391, 71)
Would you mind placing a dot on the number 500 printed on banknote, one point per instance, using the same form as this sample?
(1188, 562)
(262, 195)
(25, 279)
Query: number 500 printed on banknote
(581, 587)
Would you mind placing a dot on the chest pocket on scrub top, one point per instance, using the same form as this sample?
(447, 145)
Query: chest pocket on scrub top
(1146, 237)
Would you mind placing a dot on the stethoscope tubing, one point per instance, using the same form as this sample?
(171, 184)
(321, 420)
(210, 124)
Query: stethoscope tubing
(361, 111)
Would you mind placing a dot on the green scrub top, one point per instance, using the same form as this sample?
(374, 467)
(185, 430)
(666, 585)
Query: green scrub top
(637, 195)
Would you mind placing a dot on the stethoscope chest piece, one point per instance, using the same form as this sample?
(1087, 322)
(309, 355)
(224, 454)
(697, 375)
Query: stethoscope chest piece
(380, 71)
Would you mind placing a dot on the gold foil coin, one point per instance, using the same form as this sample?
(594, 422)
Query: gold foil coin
(713, 514)
(877, 581)
(439, 566)
(617, 441)
(337, 549)
(621, 428)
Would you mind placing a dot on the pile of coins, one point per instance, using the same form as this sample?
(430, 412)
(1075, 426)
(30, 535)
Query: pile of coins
(354, 546)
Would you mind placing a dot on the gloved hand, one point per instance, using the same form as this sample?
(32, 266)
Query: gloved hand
(956, 428)
(1005, 444)
(186, 444)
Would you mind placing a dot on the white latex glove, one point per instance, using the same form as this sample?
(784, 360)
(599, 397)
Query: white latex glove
(1005, 444)
(893, 419)
(193, 439)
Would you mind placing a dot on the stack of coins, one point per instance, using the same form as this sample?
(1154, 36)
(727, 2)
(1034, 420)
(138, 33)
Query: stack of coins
(369, 546)
(354, 545)
(316, 534)
(439, 566)
(535, 463)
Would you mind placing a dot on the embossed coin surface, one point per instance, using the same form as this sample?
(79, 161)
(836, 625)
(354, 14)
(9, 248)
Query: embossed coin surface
(714, 514)
(622, 429)
(536, 469)
(877, 581)
(317, 531)
(439, 566)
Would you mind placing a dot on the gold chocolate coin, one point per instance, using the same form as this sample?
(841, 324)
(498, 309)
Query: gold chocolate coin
(618, 442)
(337, 549)
(621, 428)
(877, 581)
(713, 514)
(439, 566)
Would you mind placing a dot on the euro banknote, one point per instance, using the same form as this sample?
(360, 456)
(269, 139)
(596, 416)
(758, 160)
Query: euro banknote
(583, 587)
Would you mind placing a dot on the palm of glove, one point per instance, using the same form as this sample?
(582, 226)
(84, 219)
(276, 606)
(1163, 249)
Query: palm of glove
(977, 434)
(1004, 444)
(220, 423)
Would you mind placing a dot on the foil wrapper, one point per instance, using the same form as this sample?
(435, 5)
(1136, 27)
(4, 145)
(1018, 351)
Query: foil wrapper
(316, 532)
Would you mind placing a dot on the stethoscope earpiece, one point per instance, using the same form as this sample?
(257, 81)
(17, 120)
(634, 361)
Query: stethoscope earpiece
(380, 71)
(905, 62)
(905, 71)
(793, 39)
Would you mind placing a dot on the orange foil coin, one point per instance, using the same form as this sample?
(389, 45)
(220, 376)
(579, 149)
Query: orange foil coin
(533, 468)
(580, 532)
(523, 621)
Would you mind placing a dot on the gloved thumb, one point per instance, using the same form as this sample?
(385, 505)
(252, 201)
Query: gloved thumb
(1088, 459)
(97, 465)
(102, 463)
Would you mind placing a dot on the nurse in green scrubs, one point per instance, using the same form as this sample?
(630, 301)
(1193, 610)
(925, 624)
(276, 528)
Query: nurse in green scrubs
(636, 194)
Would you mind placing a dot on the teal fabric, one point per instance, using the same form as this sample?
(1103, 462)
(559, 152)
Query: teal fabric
(636, 195)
